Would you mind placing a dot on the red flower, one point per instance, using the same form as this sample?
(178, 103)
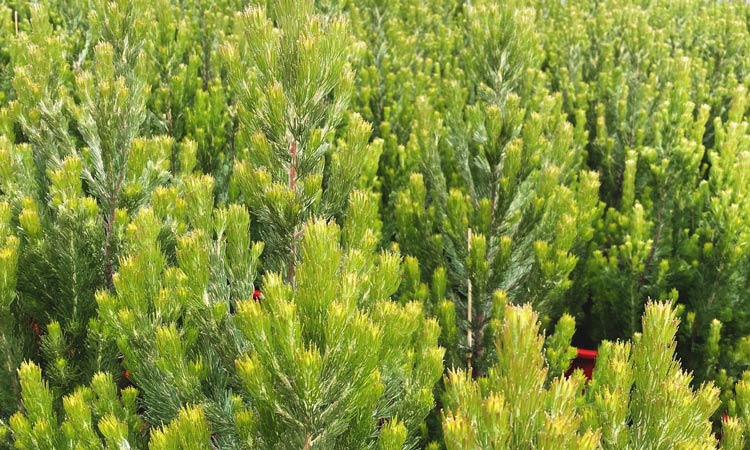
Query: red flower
(256, 295)
(127, 374)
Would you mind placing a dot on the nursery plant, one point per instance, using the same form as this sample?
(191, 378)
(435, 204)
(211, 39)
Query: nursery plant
(656, 108)
(664, 104)
(639, 396)
(290, 70)
(481, 171)
(334, 225)
(173, 283)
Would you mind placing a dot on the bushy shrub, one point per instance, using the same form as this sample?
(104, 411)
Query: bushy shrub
(277, 224)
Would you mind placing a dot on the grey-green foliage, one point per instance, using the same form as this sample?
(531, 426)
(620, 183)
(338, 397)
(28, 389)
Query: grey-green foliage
(82, 168)
(187, 265)
(301, 152)
(341, 357)
(498, 198)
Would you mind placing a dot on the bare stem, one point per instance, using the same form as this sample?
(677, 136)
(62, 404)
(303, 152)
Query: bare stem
(469, 331)
(108, 269)
(293, 165)
(293, 187)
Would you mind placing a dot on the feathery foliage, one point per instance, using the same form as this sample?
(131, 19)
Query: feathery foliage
(273, 224)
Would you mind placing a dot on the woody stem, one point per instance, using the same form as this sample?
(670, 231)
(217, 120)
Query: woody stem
(291, 274)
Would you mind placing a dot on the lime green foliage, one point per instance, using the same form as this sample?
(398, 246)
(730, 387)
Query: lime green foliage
(186, 266)
(311, 359)
(639, 396)
(515, 406)
(72, 190)
(664, 103)
(94, 417)
(301, 152)
(656, 107)
(481, 172)
(190, 431)
(82, 152)
(272, 224)
(10, 347)
(340, 356)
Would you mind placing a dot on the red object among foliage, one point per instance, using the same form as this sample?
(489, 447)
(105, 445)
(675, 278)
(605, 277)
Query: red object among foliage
(37, 333)
(256, 295)
(586, 361)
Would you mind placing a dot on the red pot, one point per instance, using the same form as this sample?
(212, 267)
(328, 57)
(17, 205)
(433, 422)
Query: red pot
(586, 360)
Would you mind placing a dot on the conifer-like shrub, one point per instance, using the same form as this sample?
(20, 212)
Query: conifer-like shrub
(310, 224)
(639, 396)
(664, 105)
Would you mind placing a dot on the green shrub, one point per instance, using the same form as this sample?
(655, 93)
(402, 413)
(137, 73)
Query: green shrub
(639, 396)
(275, 224)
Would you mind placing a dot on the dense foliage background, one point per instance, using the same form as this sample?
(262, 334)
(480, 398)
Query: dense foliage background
(368, 224)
